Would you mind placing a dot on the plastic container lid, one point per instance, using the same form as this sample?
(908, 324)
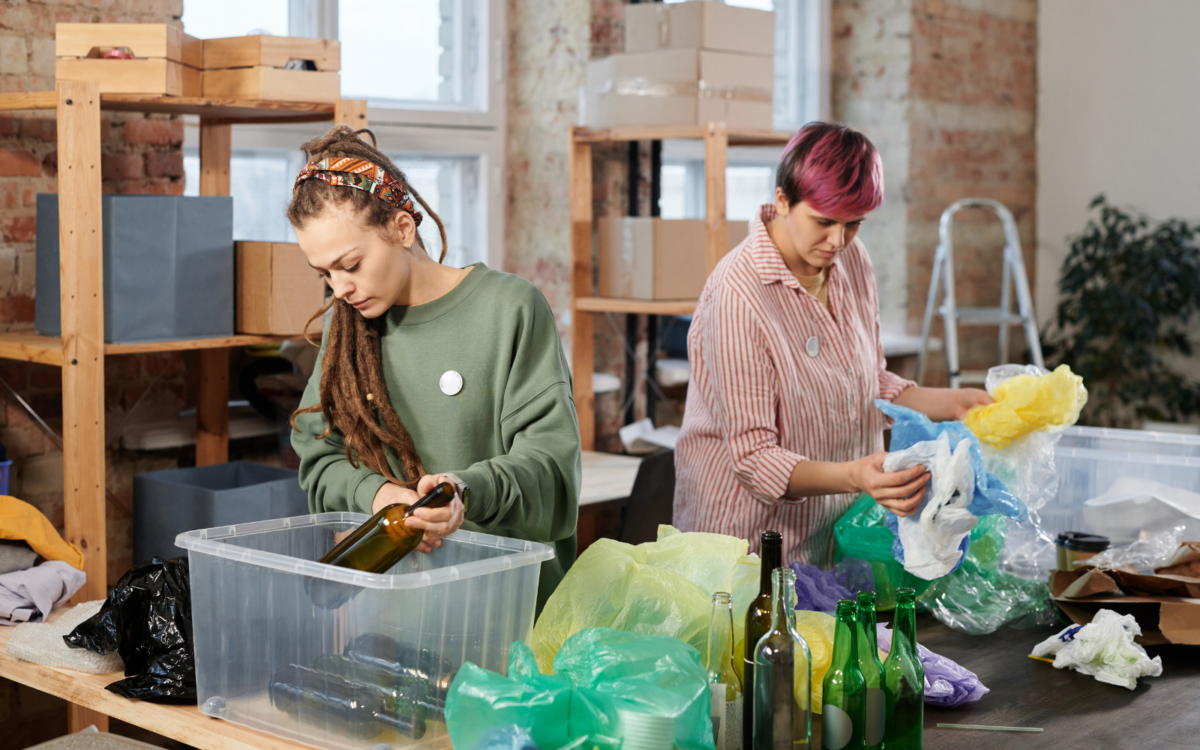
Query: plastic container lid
(1082, 542)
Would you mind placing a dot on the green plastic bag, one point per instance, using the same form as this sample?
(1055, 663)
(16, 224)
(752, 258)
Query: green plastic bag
(597, 673)
(861, 533)
(659, 588)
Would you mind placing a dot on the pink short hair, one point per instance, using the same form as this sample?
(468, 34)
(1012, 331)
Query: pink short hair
(834, 168)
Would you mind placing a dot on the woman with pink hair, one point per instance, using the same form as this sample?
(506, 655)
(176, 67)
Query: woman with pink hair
(780, 430)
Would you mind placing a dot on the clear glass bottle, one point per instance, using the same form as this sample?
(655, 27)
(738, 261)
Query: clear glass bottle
(723, 682)
(782, 674)
(872, 669)
(904, 679)
(333, 702)
(843, 709)
(758, 622)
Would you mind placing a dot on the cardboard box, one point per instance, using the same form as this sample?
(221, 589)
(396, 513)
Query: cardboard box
(271, 52)
(168, 267)
(273, 84)
(655, 259)
(687, 87)
(167, 60)
(277, 291)
(171, 502)
(1166, 604)
(707, 25)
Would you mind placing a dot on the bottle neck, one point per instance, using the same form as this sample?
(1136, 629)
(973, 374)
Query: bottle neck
(845, 643)
(904, 628)
(720, 640)
(772, 558)
(866, 627)
(783, 604)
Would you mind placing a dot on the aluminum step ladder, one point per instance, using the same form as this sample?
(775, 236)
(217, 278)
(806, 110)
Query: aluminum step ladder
(1013, 274)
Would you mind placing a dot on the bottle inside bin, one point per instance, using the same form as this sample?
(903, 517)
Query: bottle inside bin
(320, 698)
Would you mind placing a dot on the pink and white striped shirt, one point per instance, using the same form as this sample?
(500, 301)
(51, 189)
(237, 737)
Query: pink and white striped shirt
(778, 379)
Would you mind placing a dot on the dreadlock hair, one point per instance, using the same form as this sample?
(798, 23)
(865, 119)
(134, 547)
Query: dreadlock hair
(353, 393)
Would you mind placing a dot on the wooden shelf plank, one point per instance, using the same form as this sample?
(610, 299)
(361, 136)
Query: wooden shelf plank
(736, 137)
(30, 347)
(648, 307)
(29, 100)
(47, 350)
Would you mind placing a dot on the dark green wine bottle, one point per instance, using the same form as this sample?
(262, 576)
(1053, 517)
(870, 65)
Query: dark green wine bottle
(758, 622)
(904, 679)
(843, 710)
(333, 702)
(872, 669)
(374, 547)
(406, 695)
(419, 664)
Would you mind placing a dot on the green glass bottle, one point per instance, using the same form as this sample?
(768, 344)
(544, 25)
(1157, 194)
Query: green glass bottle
(406, 694)
(872, 669)
(724, 687)
(904, 679)
(335, 703)
(374, 547)
(414, 662)
(758, 622)
(782, 675)
(843, 709)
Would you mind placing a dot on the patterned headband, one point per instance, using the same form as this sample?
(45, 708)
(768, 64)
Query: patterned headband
(361, 174)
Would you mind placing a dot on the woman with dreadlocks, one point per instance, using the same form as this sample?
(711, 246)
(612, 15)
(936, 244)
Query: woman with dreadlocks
(428, 373)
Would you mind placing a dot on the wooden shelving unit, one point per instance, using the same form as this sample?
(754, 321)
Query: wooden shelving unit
(80, 350)
(717, 140)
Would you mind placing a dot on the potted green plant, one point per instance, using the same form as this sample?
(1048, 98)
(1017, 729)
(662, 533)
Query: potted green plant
(1129, 291)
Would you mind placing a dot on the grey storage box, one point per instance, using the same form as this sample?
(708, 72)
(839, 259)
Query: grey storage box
(168, 503)
(168, 267)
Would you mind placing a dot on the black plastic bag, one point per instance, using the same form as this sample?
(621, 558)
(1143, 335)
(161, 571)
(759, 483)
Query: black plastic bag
(147, 619)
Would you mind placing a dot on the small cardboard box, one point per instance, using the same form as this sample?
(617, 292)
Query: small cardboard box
(708, 25)
(685, 87)
(271, 52)
(655, 259)
(171, 502)
(168, 267)
(273, 84)
(1166, 605)
(277, 291)
(166, 63)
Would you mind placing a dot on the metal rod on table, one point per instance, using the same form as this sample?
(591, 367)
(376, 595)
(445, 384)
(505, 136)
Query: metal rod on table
(984, 728)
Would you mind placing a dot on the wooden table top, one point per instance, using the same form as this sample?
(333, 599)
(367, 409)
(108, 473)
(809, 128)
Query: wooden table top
(607, 476)
(1075, 711)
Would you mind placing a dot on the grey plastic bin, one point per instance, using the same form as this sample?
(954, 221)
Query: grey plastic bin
(168, 267)
(169, 503)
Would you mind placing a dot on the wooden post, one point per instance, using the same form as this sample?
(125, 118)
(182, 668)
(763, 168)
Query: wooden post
(716, 226)
(81, 263)
(212, 412)
(579, 173)
(352, 112)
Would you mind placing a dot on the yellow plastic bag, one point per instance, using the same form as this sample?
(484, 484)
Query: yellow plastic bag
(659, 588)
(1028, 403)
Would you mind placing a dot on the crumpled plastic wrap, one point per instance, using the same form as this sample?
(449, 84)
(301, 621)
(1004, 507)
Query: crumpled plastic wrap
(661, 588)
(1104, 649)
(42, 643)
(817, 590)
(947, 683)
(933, 541)
(1027, 399)
(1150, 551)
(507, 737)
(597, 673)
(147, 619)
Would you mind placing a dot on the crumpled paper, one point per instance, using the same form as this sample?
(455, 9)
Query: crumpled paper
(1027, 399)
(1104, 649)
(947, 683)
(817, 590)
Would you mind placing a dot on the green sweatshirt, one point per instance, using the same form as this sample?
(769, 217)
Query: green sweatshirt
(511, 433)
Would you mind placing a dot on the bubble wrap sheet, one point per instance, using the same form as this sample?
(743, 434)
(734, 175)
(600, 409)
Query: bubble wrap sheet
(42, 643)
(93, 740)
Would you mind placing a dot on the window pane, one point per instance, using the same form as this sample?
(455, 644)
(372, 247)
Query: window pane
(411, 53)
(671, 201)
(747, 187)
(213, 19)
(450, 185)
(260, 182)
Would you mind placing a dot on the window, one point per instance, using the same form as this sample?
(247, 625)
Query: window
(749, 180)
(432, 74)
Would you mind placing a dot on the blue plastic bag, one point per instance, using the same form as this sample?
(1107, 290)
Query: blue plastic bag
(990, 495)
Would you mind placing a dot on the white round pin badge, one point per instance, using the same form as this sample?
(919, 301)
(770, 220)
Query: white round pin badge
(813, 346)
(451, 383)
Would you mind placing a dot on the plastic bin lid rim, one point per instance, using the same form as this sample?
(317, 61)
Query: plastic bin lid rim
(209, 542)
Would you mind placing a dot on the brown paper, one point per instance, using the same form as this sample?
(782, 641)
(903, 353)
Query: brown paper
(1186, 561)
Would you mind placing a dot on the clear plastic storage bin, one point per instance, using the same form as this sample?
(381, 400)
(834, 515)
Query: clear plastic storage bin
(1090, 460)
(257, 629)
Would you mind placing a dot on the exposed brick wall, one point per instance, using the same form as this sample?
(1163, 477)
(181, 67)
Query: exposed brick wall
(946, 89)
